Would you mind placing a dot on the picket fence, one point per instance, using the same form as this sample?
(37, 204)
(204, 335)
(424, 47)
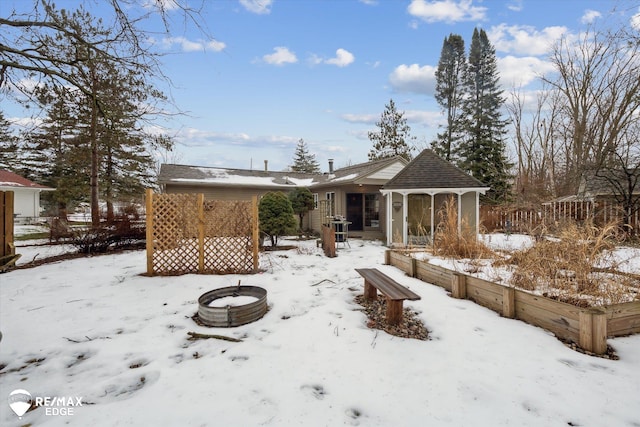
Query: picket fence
(525, 220)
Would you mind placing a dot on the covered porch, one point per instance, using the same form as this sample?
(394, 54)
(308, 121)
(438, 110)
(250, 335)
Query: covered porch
(412, 215)
(414, 197)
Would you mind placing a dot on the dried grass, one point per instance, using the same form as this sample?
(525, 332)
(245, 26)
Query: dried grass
(576, 267)
(453, 241)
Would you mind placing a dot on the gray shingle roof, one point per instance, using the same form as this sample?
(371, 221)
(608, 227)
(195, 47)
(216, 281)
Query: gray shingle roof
(428, 170)
(603, 183)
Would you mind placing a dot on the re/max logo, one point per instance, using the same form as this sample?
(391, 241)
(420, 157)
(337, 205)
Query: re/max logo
(58, 401)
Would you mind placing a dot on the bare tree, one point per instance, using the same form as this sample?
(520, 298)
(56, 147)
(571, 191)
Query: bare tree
(64, 49)
(599, 99)
(24, 39)
(537, 153)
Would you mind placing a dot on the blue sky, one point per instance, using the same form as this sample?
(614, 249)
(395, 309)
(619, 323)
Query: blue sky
(323, 70)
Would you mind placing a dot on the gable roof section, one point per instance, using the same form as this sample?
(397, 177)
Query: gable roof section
(13, 180)
(374, 172)
(429, 171)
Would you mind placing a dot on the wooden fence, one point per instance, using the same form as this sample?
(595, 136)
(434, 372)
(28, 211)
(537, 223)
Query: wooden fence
(6, 224)
(186, 234)
(524, 220)
(587, 327)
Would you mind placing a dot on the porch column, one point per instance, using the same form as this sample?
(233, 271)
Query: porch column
(459, 213)
(389, 206)
(405, 219)
(433, 217)
(477, 213)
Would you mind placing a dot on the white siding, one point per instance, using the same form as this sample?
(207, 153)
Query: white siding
(388, 172)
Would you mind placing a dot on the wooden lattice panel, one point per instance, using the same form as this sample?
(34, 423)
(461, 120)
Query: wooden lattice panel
(228, 255)
(190, 235)
(175, 233)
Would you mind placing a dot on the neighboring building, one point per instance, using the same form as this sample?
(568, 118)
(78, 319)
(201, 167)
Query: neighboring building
(26, 199)
(608, 185)
(355, 193)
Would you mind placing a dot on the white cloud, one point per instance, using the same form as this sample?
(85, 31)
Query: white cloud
(515, 5)
(360, 118)
(216, 45)
(428, 118)
(165, 5)
(413, 78)
(590, 16)
(342, 59)
(635, 20)
(261, 7)
(523, 39)
(315, 59)
(446, 10)
(281, 56)
(519, 72)
(369, 2)
(187, 45)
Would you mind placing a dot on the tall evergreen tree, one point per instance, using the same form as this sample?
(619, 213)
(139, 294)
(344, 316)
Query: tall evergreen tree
(96, 137)
(483, 150)
(126, 165)
(303, 161)
(55, 153)
(393, 137)
(450, 75)
(9, 148)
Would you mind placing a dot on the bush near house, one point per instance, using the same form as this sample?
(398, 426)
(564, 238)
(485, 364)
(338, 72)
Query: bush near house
(276, 215)
(302, 202)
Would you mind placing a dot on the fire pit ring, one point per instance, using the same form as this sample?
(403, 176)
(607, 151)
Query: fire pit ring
(232, 315)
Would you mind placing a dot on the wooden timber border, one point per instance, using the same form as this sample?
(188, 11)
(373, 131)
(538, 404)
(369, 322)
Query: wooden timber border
(587, 327)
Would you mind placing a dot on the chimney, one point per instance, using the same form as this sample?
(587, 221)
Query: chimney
(331, 166)
(266, 165)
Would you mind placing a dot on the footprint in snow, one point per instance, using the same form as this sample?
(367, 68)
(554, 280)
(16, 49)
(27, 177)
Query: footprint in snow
(316, 390)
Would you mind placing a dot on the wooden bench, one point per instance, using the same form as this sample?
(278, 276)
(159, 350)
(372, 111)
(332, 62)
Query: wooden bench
(374, 281)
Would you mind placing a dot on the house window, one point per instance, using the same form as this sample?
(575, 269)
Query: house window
(372, 210)
(315, 200)
(331, 206)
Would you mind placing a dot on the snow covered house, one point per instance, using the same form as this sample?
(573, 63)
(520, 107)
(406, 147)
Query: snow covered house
(389, 199)
(26, 199)
(352, 192)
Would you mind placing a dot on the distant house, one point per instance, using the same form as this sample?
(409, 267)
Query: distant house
(352, 192)
(355, 193)
(608, 185)
(26, 196)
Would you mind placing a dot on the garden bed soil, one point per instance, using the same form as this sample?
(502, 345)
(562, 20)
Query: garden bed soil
(410, 327)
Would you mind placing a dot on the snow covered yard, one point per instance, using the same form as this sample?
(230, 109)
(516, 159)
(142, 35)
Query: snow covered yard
(95, 328)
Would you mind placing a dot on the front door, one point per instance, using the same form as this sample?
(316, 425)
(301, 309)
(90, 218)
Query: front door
(355, 211)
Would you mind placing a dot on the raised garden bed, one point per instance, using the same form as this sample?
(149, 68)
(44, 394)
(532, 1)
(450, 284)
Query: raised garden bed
(588, 327)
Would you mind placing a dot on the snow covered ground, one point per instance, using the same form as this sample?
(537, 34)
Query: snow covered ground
(96, 329)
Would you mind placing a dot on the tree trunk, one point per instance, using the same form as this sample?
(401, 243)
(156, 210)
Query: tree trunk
(93, 183)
